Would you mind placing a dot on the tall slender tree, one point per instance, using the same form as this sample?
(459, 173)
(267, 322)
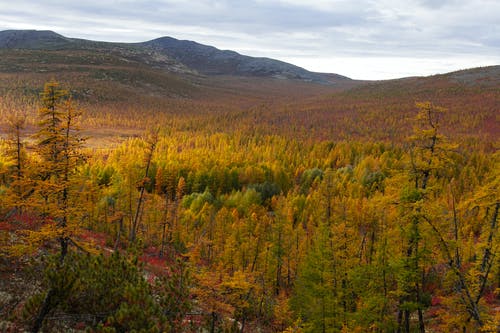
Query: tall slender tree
(152, 141)
(58, 145)
(18, 189)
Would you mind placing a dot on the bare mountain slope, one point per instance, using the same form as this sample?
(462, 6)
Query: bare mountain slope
(209, 60)
(174, 55)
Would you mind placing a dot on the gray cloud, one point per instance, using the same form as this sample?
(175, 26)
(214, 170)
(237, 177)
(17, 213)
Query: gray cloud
(307, 32)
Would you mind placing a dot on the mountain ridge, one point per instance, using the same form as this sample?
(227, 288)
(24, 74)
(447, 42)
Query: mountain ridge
(31, 39)
(210, 60)
(203, 59)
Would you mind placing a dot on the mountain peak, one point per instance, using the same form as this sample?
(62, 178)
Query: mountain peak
(210, 60)
(204, 59)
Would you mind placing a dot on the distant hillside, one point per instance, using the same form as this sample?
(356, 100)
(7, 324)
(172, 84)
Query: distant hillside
(89, 52)
(31, 39)
(482, 76)
(385, 110)
(182, 56)
(209, 60)
(179, 81)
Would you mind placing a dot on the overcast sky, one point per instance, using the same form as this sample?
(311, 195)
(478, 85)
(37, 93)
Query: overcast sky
(362, 39)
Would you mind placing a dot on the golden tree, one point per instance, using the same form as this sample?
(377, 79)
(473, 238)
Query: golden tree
(58, 147)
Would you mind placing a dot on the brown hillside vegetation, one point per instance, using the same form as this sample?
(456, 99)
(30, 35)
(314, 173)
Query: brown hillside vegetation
(120, 92)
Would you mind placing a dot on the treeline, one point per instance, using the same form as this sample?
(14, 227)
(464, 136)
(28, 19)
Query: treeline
(181, 230)
(376, 112)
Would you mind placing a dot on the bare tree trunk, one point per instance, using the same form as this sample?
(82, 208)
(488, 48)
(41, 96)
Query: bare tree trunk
(400, 321)
(44, 310)
(142, 187)
(421, 324)
(162, 248)
(407, 321)
(212, 323)
(119, 234)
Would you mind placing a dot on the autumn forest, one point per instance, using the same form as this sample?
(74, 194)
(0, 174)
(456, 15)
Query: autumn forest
(132, 201)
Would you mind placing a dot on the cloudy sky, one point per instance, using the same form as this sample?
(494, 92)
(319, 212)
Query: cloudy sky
(362, 39)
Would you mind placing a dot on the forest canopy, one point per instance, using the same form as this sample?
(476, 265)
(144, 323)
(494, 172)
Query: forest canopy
(191, 226)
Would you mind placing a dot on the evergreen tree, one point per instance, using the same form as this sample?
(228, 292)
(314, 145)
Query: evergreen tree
(314, 295)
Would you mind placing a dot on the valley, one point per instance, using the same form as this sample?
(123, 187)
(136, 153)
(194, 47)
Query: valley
(171, 186)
